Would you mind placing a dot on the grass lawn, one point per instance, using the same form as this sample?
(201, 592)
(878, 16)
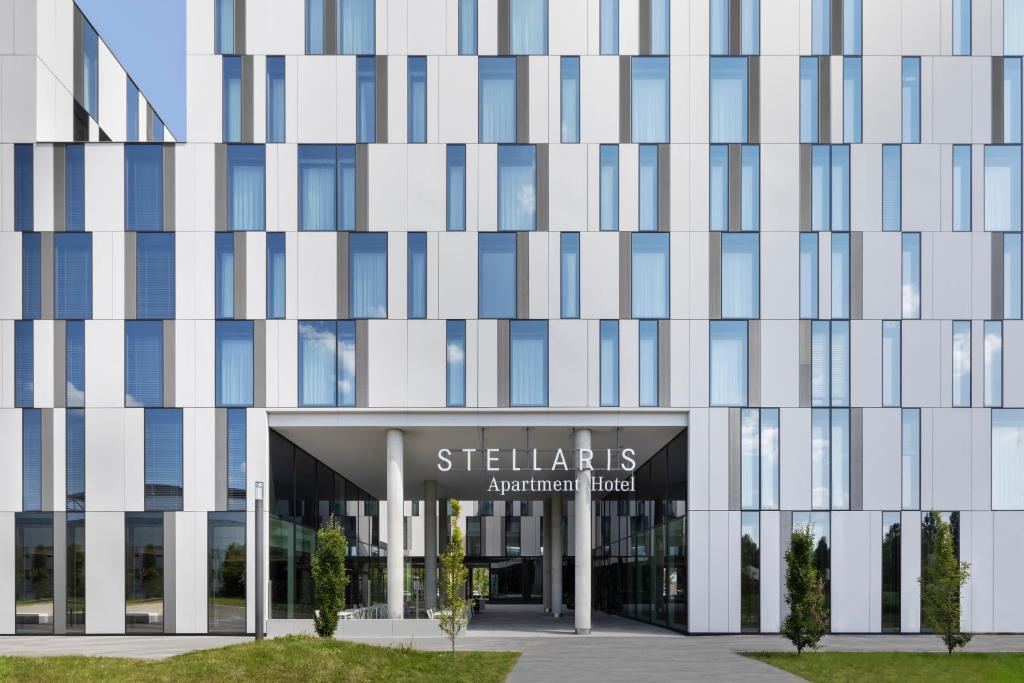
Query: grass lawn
(295, 658)
(898, 667)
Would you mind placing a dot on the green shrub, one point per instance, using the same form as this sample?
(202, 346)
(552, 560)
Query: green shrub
(330, 577)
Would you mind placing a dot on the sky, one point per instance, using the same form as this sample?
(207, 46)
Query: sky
(148, 38)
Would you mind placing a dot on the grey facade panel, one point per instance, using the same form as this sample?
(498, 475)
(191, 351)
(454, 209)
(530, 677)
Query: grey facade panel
(220, 216)
(240, 288)
(735, 188)
(715, 275)
(503, 27)
(856, 275)
(664, 187)
(997, 276)
(753, 100)
(836, 37)
(664, 363)
(824, 101)
(625, 99)
(543, 201)
(997, 101)
(645, 27)
(522, 99)
(130, 274)
(247, 99)
(362, 364)
(805, 363)
(46, 465)
(805, 188)
(381, 92)
(856, 458)
(169, 363)
(60, 571)
(60, 346)
(754, 363)
(170, 571)
(169, 188)
(625, 276)
(220, 457)
(59, 187)
(523, 275)
(735, 462)
(503, 364)
(259, 363)
(362, 188)
(46, 274)
(342, 271)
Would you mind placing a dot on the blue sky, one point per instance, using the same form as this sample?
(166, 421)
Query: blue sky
(148, 37)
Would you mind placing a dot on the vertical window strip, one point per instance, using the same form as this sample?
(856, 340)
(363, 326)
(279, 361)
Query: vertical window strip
(236, 458)
(961, 363)
(163, 459)
(609, 363)
(276, 275)
(570, 275)
(456, 363)
(417, 274)
(911, 458)
(456, 183)
(993, 350)
(891, 362)
(75, 460)
(24, 364)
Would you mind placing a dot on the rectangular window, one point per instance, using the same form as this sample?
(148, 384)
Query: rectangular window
(647, 184)
(839, 189)
(224, 20)
(357, 27)
(90, 70)
(651, 99)
(456, 363)
(234, 360)
(911, 458)
(718, 211)
(75, 617)
(497, 273)
(1008, 459)
(650, 275)
(163, 445)
(456, 176)
(648, 353)
(892, 190)
(74, 364)
(821, 27)
(236, 451)
(570, 272)
(31, 459)
(23, 187)
(528, 27)
(808, 99)
(317, 363)
(517, 187)
(911, 265)
(1011, 276)
(609, 363)
(232, 99)
(769, 458)
(74, 187)
(31, 276)
(226, 539)
(346, 396)
(740, 276)
(750, 572)
(1013, 27)
(33, 572)
(368, 275)
(467, 27)
(609, 187)
(144, 572)
(224, 273)
(821, 484)
(750, 188)
(497, 104)
(840, 267)
(315, 27)
(417, 267)
(158, 128)
(276, 270)
(962, 188)
(853, 28)
(143, 363)
(891, 362)
(961, 27)
(1002, 188)
(808, 275)
(912, 99)
(154, 275)
(840, 459)
(891, 572)
(327, 187)
(660, 26)
(961, 363)
(750, 459)
(74, 460)
(275, 99)
(528, 363)
(417, 99)
(609, 27)
(24, 364)
(821, 363)
(853, 89)
(728, 99)
(728, 362)
(1011, 100)
(570, 99)
(840, 369)
(993, 364)
(72, 271)
(132, 111)
(821, 188)
(144, 187)
(719, 25)
(366, 99)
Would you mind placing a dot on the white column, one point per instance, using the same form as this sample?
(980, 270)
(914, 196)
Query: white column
(581, 439)
(556, 555)
(546, 525)
(430, 544)
(396, 517)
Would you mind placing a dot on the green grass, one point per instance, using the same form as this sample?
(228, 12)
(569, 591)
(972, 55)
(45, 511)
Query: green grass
(898, 667)
(294, 658)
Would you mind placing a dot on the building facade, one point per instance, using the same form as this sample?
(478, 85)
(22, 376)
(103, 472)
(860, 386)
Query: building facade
(773, 248)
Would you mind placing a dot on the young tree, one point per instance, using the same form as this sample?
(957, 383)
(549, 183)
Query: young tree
(453, 617)
(330, 577)
(805, 593)
(941, 579)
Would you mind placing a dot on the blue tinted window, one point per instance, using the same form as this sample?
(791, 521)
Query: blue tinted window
(1011, 275)
(1011, 100)
(368, 275)
(31, 302)
(821, 188)
(224, 273)
(609, 187)
(740, 275)
(276, 268)
(158, 128)
(728, 99)
(609, 27)
(346, 363)
(164, 446)
(821, 363)
(648, 353)
(246, 182)
(417, 270)
(853, 29)
(1008, 459)
(317, 363)
(236, 451)
(90, 70)
(456, 363)
(911, 266)
(315, 27)
(528, 363)
(728, 378)
(357, 31)
(1002, 188)
(143, 363)
(808, 99)
(232, 99)
(892, 187)
(570, 280)
(234, 359)
(891, 362)
(808, 275)
(750, 188)
(719, 23)
(528, 27)
(609, 363)
(840, 188)
(143, 187)
(993, 356)
(821, 26)
(275, 99)
(497, 104)
(962, 363)
(517, 187)
(852, 99)
(751, 29)
(718, 180)
(24, 364)
(570, 99)
(467, 27)
(74, 364)
(317, 208)
(961, 27)
(650, 275)
(650, 92)
(154, 275)
(660, 27)
(366, 99)
(840, 363)
(72, 270)
(648, 188)
(840, 267)
(74, 460)
(31, 460)
(417, 99)
(962, 188)
(1013, 27)
(74, 187)
(497, 273)
(224, 26)
(456, 177)
(23, 187)
(346, 187)
(912, 99)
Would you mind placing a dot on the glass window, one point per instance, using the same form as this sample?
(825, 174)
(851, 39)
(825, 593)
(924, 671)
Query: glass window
(528, 363)
(234, 363)
(226, 584)
(718, 210)
(90, 70)
(143, 363)
(570, 271)
(821, 188)
(366, 99)
(648, 187)
(750, 32)
(648, 363)
(346, 363)
(144, 572)
(808, 275)
(750, 572)
(467, 27)
(1011, 100)
(158, 127)
(34, 572)
(163, 459)
(132, 111)
(75, 606)
(740, 275)
(570, 99)
(728, 362)
(853, 111)
(892, 191)
(245, 185)
(276, 269)
(74, 364)
(517, 187)
(1002, 188)
(232, 99)
(497, 104)
(74, 187)
(808, 99)
(651, 100)
(357, 27)
(327, 187)
(417, 99)
(750, 187)
(31, 275)
(750, 459)
(24, 364)
(1013, 27)
(840, 459)
(728, 99)
(719, 23)
(315, 27)
(911, 458)
(609, 363)
(821, 363)
(275, 99)
(456, 363)
(143, 187)
(497, 273)
(840, 188)
(23, 187)
(609, 27)
(1007, 459)
(993, 364)
(31, 459)
(853, 29)
(236, 452)
(660, 26)
(1011, 276)
(72, 269)
(961, 27)
(911, 264)
(154, 275)
(891, 572)
(962, 188)
(417, 267)
(840, 275)
(528, 27)
(224, 19)
(821, 484)
(224, 272)
(961, 363)
(609, 187)
(891, 362)
(821, 27)
(368, 275)
(650, 275)
(456, 187)
(769, 458)
(317, 363)
(911, 99)
(840, 370)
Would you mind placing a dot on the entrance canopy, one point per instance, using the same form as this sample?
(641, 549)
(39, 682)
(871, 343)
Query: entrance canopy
(352, 442)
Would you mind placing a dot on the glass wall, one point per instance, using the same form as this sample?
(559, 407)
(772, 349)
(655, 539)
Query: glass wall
(75, 606)
(144, 572)
(226, 581)
(891, 544)
(33, 572)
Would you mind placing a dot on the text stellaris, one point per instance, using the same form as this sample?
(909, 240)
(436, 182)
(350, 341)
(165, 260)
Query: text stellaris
(536, 460)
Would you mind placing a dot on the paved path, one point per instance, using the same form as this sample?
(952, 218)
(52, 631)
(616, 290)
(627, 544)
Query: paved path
(141, 647)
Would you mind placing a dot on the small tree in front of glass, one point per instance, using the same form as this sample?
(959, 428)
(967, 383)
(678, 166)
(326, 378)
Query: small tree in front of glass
(941, 579)
(454, 615)
(330, 577)
(805, 593)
